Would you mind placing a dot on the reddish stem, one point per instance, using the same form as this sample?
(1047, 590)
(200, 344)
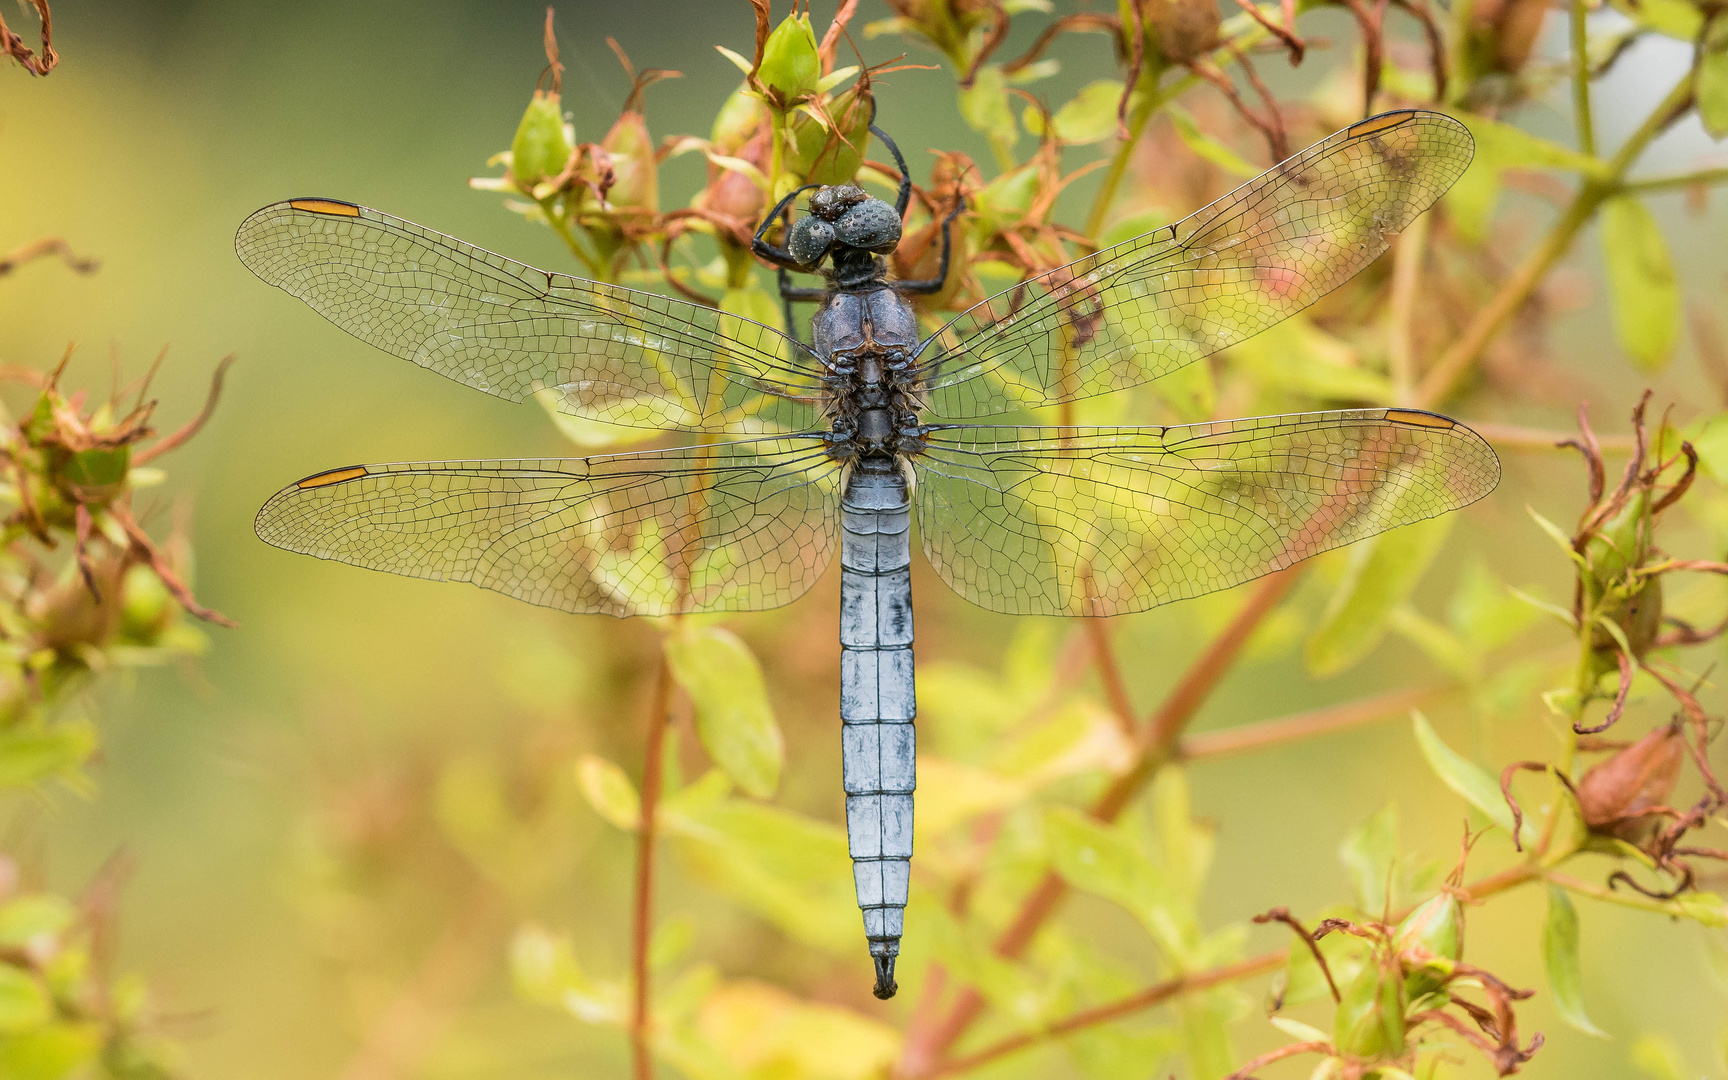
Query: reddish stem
(642, 924)
(1158, 744)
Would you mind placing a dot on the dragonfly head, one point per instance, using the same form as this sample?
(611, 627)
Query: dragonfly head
(843, 216)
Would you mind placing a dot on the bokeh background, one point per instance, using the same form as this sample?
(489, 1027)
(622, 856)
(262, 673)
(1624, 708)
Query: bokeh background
(281, 798)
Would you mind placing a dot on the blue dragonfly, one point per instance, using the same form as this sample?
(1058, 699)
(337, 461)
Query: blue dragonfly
(839, 444)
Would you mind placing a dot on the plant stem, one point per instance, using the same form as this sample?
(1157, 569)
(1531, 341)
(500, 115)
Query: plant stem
(1656, 184)
(1406, 275)
(1581, 81)
(1119, 165)
(1157, 748)
(1156, 994)
(1591, 194)
(1511, 437)
(1110, 675)
(642, 922)
(1324, 721)
(1614, 896)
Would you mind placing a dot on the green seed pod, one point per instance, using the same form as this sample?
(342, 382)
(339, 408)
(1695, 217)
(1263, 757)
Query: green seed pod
(737, 121)
(790, 67)
(147, 608)
(1005, 201)
(541, 147)
(830, 155)
(637, 183)
(1434, 931)
(96, 476)
(1369, 1022)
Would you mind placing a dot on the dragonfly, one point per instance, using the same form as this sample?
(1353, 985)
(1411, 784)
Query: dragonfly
(797, 450)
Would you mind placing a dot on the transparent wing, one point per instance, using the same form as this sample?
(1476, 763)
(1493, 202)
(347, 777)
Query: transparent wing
(1104, 521)
(607, 353)
(1151, 305)
(738, 526)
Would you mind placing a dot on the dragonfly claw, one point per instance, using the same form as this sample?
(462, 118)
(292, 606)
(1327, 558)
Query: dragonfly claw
(885, 984)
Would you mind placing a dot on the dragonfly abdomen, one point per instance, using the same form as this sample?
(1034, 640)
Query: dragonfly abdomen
(878, 701)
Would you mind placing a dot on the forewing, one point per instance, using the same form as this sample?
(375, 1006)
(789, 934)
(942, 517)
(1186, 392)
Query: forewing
(1105, 521)
(738, 526)
(604, 352)
(1151, 305)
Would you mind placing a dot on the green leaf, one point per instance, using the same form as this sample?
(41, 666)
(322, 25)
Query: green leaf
(1127, 228)
(1382, 572)
(609, 791)
(31, 755)
(984, 107)
(1483, 612)
(1298, 356)
(1656, 1056)
(1462, 775)
(1513, 147)
(1106, 862)
(792, 870)
(1208, 148)
(51, 1052)
(1370, 854)
(1449, 652)
(733, 717)
(24, 1003)
(1673, 18)
(30, 917)
(544, 970)
(1206, 1034)
(1712, 81)
(1642, 284)
(763, 1031)
(1560, 959)
(1191, 392)
(1088, 117)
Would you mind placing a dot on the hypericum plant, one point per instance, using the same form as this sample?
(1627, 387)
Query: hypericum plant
(84, 592)
(1044, 776)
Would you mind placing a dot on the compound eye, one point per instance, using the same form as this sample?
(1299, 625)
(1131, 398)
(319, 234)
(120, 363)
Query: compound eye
(809, 240)
(872, 225)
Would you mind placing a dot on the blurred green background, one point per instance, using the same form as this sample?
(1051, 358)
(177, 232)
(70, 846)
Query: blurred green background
(275, 799)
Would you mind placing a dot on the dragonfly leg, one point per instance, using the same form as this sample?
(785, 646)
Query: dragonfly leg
(790, 293)
(904, 199)
(934, 284)
(759, 244)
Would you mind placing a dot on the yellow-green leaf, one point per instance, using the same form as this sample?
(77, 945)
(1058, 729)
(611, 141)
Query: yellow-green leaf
(1712, 80)
(24, 1003)
(1672, 18)
(1644, 290)
(1381, 573)
(29, 917)
(1088, 117)
(609, 791)
(1208, 148)
(1560, 959)
(1461, 775)
(984, 107)
(733, 717)
(1370, 853)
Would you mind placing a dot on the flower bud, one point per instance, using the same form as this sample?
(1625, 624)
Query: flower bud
(1182, 30)
(95, 476)
(1613, 793)
(147, 608)
(830, 155)
(541, 148)
(636, 183)
(1369, 1022)
(738, 121)
(790, 67)
(1434, 931)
